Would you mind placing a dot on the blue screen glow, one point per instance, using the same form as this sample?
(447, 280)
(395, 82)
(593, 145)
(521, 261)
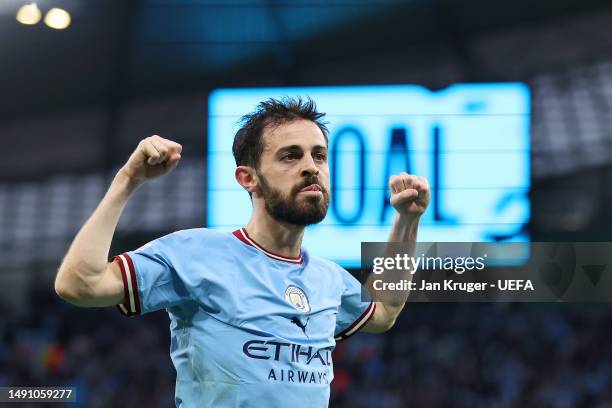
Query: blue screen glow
(471, 141)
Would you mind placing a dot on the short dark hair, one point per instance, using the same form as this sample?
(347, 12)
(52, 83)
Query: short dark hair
(248, 145)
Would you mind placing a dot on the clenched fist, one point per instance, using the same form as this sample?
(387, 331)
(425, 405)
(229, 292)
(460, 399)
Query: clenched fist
(154, 156)
(409, 194)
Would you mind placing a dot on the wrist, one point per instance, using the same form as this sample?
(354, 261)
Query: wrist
(126, 181)
(407, 219)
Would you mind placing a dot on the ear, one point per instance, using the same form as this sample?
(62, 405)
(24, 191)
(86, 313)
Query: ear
(245, 176)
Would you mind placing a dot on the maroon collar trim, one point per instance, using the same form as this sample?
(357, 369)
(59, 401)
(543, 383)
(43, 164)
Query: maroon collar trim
(243, 236)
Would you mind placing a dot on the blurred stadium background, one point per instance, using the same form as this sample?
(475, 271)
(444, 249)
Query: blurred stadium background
(75, 102)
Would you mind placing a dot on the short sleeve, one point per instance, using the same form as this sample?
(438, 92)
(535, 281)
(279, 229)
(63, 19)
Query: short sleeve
(356, 307)
(150, 280)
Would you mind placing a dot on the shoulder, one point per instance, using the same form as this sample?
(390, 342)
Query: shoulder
(197, 234)
(326, 265)
(333, 274)
(185, 238)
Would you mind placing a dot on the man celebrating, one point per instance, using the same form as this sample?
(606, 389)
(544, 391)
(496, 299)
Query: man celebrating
(254, 316)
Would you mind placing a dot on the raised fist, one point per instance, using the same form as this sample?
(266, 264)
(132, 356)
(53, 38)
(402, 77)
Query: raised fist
(409, 194)
(154, 156)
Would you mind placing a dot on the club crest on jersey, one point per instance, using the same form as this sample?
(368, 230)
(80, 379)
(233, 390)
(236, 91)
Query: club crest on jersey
(297, 298)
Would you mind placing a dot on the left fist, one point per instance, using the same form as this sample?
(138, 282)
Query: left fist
(409, 194)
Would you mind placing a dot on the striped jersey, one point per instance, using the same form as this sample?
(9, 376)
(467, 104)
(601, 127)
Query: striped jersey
(247, 326)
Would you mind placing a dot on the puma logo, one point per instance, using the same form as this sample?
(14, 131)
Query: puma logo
(295, 320)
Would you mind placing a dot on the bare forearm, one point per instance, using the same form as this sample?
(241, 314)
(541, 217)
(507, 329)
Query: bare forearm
(85, 278)
(87, 256)
(404, 231)
(410, 197)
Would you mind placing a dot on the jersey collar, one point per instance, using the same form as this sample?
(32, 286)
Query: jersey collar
(243, 236)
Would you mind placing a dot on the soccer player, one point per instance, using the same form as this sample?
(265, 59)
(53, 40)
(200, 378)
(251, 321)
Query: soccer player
(254, 316)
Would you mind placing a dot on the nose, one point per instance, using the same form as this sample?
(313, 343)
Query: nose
(310, 167)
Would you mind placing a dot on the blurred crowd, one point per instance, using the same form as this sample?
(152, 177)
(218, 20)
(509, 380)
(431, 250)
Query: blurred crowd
(437, 355)
(482, 355)
(112, 361)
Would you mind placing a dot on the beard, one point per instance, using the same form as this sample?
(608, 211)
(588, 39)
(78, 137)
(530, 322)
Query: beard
(286, 208)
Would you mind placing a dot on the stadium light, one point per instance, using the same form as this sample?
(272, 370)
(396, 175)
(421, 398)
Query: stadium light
(57, 18)
(29, 14)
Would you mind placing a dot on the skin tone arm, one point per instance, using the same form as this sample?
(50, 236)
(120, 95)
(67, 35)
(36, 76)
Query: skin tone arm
(85, 277)
(410, 197)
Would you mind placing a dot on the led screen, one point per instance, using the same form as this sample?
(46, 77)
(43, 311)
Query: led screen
(471, 141)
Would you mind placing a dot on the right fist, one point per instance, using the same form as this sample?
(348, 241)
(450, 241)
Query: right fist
(154, 156)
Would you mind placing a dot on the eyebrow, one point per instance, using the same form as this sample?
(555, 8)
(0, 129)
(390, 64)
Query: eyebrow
(288, 148)
(299, 148)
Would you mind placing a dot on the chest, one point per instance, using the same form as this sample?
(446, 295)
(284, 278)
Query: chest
(295, 302)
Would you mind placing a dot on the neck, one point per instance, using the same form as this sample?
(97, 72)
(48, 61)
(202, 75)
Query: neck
(275, 236)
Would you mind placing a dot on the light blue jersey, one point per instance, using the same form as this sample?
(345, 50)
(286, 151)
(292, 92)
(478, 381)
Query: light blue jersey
(249, 328)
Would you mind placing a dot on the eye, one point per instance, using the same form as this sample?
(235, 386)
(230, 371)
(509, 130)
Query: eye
(320, 156)
(289, 157)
